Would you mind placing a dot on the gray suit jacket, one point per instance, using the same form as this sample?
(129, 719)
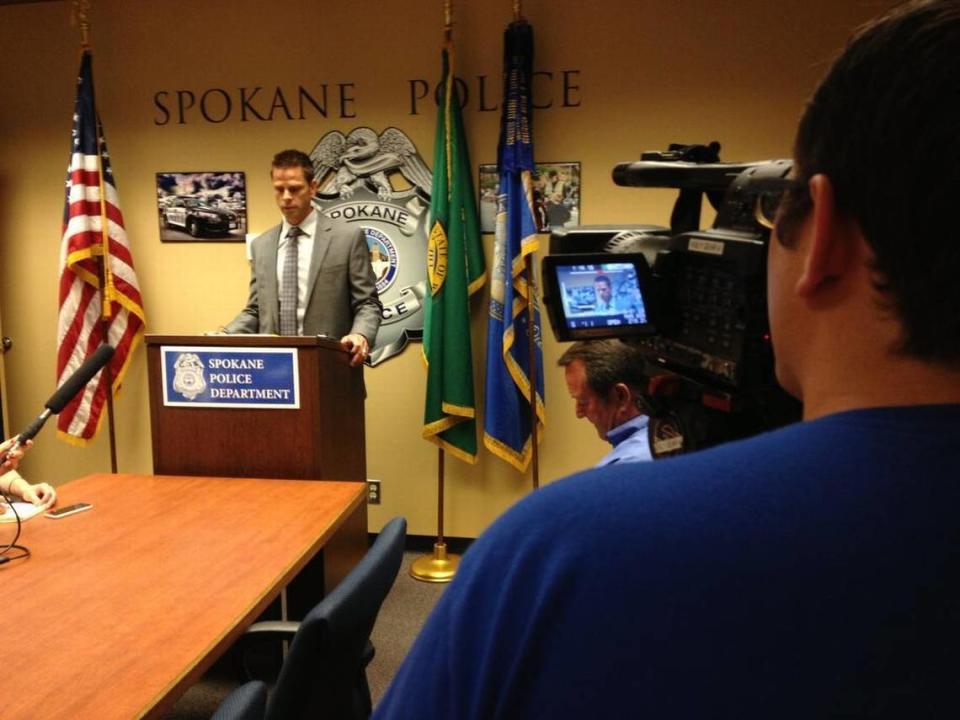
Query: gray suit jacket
(341, 292)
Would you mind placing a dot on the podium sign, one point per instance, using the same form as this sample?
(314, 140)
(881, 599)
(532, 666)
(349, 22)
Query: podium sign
(197, 376)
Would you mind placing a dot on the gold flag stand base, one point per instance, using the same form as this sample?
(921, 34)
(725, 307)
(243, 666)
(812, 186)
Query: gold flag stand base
(437, 568)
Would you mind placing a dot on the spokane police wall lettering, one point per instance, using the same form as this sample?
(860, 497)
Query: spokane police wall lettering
(381, 183)
(560, 89)
(254, 104)
(552, 89)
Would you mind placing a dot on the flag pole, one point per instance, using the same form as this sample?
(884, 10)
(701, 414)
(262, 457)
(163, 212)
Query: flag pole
(532, 349)
(440, 486)
(81, 17)
(105, 319)
(441, 566)
(81, 10)
(531, 327)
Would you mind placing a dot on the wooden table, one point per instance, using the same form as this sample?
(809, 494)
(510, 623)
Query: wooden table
(122, 607)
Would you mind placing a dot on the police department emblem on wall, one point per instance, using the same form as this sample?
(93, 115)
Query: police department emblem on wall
(381, 183)
(188, 378)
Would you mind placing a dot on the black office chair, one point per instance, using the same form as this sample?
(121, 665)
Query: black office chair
(324, 674)
(247, 702)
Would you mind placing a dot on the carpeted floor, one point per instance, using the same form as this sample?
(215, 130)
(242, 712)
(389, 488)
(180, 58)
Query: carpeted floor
(401, 617)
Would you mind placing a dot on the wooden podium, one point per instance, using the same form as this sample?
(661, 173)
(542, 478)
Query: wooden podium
(323, 439)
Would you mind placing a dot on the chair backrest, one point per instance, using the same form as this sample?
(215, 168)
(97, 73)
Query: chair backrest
(323, 674)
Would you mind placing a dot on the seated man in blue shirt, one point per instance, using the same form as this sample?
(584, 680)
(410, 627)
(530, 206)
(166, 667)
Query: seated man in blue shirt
(808, 572)
(605, 380)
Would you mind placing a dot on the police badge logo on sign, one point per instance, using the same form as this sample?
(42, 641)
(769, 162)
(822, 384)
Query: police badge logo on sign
(188, 379)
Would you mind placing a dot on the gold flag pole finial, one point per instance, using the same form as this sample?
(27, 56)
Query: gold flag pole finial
(81, 17)
(447, 20)
(517, 10)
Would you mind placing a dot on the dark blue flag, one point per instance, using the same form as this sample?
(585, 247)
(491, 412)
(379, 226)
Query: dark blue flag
(507, 425)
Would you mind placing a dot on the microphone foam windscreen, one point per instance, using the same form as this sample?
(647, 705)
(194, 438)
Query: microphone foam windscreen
(73, 384)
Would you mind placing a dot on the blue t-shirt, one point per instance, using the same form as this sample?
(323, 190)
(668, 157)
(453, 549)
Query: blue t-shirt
(809, 572)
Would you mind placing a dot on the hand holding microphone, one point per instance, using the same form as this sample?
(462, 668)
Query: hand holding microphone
(12, 450)
(57, 402)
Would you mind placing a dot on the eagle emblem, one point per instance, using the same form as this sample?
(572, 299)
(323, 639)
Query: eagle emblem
(345, 163)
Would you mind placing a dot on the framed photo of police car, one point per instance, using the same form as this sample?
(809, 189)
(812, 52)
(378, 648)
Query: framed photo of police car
(556, 196)
(202, 206)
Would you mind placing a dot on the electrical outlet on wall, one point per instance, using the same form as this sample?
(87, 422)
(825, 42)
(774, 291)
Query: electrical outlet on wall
(373, 492)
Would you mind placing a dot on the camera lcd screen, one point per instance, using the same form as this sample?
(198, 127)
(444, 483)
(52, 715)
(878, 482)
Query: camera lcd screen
(597, 296)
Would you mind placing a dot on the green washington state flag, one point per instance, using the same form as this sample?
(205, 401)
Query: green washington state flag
(455, 267)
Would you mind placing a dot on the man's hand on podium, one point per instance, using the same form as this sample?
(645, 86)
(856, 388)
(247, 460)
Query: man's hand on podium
(355, 344)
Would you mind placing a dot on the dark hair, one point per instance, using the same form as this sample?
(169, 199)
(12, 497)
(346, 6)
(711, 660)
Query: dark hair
(883, 126)
(294, 159)
(607, 362)
(603, 279)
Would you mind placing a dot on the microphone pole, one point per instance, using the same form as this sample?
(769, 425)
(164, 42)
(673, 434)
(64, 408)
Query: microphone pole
(108, 380)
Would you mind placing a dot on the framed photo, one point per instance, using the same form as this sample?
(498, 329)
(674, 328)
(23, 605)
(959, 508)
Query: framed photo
(488, 187)
(557, 186)
(202, 206)
(556, 195)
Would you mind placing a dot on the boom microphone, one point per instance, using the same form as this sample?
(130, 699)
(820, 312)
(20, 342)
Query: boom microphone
(65, 393)
(84, 374)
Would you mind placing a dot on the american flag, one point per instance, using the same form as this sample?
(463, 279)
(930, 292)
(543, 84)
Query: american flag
(93, 228)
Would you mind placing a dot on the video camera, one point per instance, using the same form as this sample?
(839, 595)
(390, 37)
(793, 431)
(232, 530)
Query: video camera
(694, 301)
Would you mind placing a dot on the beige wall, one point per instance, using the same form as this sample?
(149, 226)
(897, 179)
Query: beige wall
(650, 73)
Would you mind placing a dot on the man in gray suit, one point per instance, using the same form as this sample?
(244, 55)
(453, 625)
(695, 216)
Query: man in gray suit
(310, 276)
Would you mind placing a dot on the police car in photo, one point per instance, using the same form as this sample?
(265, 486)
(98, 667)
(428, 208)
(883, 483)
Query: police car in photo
(197, 216)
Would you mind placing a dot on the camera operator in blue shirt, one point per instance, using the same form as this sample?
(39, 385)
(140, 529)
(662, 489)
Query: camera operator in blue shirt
(808, 572)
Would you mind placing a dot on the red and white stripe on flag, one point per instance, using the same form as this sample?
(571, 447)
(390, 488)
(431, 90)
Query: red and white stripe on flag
(90, 314)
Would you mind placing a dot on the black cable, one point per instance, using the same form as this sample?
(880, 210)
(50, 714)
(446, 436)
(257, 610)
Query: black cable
(12, 545)
(9, 500)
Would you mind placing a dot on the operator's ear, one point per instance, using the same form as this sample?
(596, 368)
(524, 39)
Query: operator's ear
(829, 251)
(623, 394)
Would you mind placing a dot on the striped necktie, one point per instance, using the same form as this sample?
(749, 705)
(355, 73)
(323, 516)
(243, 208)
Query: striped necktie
(289, 284)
